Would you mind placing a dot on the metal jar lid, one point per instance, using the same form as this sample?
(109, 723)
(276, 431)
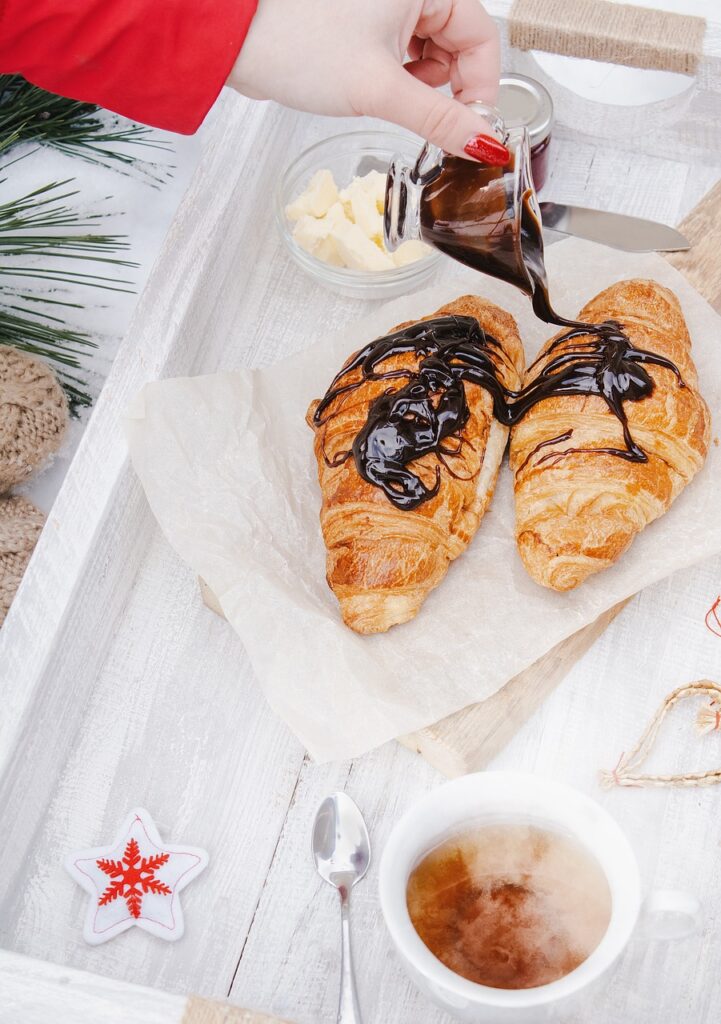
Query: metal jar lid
(524, 101)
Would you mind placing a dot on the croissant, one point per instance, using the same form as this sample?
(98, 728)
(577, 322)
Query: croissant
(592, 469)
(408, 452)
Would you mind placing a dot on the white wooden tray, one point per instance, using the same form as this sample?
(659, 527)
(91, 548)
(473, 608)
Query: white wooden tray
(119, 688)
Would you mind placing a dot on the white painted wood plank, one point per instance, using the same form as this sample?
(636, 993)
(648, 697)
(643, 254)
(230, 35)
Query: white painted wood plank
(91, 677)
(597, 711)
(172, 722)
(36, 992)
(109, 650)
(290, 963)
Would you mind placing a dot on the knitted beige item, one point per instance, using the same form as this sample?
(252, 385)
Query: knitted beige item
(33, 415)
(20, 526)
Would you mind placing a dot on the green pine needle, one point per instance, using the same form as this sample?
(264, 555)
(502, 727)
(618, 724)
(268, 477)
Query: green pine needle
(29, 114)
(38, 228)
(58, 345)
(42, 235)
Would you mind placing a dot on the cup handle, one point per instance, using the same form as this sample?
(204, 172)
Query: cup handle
(670, 914)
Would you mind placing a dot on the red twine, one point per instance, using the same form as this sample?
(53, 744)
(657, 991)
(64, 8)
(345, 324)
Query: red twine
(712, 620)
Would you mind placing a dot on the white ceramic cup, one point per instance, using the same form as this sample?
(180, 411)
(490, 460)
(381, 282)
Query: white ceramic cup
(515, 796)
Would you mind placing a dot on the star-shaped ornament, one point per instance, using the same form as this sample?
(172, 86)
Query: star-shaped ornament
(135, 881)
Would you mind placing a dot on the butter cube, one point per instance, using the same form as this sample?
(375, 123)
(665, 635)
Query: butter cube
(357, 250)
(317, 199)
(376, 186)
(409, 252)
(327, 251)
(314, 234)
(360, 204)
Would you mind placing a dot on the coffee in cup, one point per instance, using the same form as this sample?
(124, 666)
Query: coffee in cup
(509, 904)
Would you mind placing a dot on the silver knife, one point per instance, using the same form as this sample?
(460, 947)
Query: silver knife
(633, 234)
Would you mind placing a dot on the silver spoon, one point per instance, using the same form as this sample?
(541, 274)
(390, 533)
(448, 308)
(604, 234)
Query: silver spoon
(342, 852)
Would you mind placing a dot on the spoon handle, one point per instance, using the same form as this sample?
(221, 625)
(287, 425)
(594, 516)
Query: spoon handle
(348, 1008)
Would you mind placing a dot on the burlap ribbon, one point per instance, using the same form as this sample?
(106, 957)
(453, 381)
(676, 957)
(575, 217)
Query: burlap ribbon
(207, 1011)
(604, 31)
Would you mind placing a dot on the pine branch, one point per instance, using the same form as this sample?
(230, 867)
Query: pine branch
(37, 227)
(29, 114)
(26, 223)
(60, 346)
(41, 232)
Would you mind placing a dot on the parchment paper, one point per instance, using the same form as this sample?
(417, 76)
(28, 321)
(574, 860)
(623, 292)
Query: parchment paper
(227, 464)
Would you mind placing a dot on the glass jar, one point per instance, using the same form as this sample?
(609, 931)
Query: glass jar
(485, 217)
(525, 103)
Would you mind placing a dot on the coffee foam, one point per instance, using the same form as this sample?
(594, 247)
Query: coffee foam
(510, 905)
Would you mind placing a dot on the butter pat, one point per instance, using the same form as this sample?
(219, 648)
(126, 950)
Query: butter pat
(345, 228)
(316, 234)
(317, 199)
(359, 202)
(409, 252)
(357, 250)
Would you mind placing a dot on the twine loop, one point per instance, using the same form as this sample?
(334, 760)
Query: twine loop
(626, 772)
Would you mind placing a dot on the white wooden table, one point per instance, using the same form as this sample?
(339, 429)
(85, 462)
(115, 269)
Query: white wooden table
(119, 688)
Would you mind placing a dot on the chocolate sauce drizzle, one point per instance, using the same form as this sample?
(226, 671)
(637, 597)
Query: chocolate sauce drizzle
(423, 415)
(430, 409)
(605, 363)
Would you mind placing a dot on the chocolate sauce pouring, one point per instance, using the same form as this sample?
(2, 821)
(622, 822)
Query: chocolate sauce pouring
(467, 211)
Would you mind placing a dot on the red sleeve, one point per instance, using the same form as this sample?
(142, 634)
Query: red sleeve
(162, 62)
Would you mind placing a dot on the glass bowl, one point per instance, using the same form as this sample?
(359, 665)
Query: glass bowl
(348, 155)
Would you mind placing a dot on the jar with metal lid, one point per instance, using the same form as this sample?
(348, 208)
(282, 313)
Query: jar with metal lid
(525, 103)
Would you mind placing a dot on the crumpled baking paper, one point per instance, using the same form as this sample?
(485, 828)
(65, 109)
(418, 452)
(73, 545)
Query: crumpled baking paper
(228, 467)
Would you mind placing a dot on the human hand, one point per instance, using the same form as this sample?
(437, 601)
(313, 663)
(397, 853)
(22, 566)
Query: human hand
(345, 57)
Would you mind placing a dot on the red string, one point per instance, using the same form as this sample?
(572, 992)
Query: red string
(713, 623)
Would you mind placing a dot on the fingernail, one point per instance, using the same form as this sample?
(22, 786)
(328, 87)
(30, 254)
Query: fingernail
(488, 150)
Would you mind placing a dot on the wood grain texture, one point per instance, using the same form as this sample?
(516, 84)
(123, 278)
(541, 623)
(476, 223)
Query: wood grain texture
(701, 264)
(37, 992)
(469, 739)
(207, 1011)
(119, 688)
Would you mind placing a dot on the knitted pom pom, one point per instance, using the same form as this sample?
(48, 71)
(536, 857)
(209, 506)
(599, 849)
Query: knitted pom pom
(20, 526)
(33, 415)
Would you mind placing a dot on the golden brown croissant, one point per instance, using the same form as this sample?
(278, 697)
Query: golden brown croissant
(420, 429)
(584, 485)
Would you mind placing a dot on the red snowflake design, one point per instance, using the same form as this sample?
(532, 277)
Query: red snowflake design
(137, 874)
(712, 620)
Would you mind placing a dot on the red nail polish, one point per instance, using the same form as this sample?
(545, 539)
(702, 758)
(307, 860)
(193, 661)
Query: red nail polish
(487, 150)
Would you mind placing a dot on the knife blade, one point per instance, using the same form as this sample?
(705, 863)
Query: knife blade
(633, 234)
